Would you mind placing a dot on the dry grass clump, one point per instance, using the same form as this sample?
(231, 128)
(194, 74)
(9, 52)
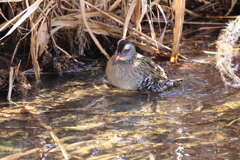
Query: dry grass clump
(46, 24)
(228, 53)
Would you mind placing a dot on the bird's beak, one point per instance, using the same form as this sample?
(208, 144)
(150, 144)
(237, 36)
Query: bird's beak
(119, 55)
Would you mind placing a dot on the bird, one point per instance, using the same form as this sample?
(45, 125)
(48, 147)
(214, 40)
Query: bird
(129, 70)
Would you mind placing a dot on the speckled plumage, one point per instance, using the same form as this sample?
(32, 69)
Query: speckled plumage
(129, 70)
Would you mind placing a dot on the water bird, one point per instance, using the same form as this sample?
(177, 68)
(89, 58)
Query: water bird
(129, 70)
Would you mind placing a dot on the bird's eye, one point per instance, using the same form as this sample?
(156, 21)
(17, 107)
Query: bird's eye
(126, 50)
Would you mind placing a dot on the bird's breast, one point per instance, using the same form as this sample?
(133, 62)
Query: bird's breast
(123, 75)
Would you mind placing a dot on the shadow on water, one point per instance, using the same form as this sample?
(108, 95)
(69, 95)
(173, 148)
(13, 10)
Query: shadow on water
(96, 121)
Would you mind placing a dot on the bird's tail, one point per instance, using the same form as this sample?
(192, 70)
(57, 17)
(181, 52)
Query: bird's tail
(168, 84)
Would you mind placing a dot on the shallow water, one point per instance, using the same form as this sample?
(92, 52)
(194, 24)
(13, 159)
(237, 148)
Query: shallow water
(94, 120)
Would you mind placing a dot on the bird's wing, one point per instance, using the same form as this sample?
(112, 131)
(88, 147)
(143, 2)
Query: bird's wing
(152, 70)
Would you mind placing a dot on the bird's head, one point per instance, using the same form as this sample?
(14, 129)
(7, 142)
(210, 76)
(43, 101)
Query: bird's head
(125, 51)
